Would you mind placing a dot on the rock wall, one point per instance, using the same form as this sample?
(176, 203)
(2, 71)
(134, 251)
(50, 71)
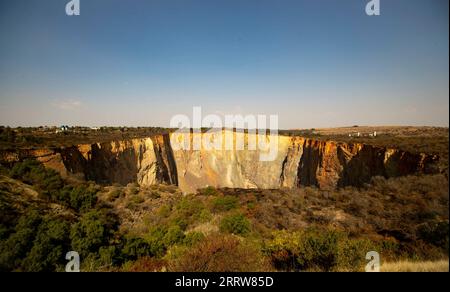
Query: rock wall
(299, 162)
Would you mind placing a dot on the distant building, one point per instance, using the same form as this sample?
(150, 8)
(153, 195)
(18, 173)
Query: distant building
(359, 134)
(63, 128)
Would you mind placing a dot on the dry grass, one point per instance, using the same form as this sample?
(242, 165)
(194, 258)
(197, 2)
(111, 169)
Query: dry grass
(407, 266)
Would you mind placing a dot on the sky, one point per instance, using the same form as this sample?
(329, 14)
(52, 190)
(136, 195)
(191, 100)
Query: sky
(315, 63)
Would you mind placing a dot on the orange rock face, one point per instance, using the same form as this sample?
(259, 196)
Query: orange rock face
(299, 162)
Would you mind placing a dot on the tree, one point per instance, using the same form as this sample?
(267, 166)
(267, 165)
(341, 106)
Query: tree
(91, 232)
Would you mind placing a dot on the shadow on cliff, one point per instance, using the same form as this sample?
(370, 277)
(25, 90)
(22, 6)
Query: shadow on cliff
(373, 161)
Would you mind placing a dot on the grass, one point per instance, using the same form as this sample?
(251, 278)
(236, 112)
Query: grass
(409, 266)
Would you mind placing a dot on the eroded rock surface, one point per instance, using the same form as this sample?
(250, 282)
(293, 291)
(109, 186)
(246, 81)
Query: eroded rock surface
(299, 162)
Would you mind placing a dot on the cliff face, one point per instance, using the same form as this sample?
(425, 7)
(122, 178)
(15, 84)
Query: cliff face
(145, 161)
(299, 162)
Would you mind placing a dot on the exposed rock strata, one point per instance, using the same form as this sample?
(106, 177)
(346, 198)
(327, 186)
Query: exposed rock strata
(299, 162)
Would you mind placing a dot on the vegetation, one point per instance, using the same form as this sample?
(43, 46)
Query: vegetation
(431, 140)
(225, 203)
(157, 228)
(408, 266)
(221, 253)
(236, 224)
(33, 137)
(322, 250)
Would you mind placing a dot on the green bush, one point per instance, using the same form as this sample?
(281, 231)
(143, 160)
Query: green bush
(81, 198)
(189, 210)
(225, 203)
(208, 191)
(193, 237)
(435, 233)
(135, 248)
(49, 247)
(47, 181)
(145, 264)
(221, 253)
(36, 244)
(314, 249)
(173, 236)
(109, 256)
(320, 250)
(236, 224)
(15, 248)
(50, 185)
(155, 239)
(92, 231)
(352, 253)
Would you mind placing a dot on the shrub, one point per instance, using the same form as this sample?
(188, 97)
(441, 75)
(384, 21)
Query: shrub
(436, 233)
(155, 195)
(314, 249)
(47, 181)
(204, 216)
(109, 256)
(164, 211)
(50, 185)
(173, 236)
(135, 248)
(189, 210)
(36, 244)
(320, 250)
(352, 254)
(225, 203)
(208, 191)
(284, 249)
(49, 247)
(133, 188)
(92, 231)
(221, 253)
(193, 237)
(82, 198)
(180, 222)
(155, 239)
(145, 264)
(15, 248)
(115, 193)
(236, 224)
(134, 202)
(20, 241)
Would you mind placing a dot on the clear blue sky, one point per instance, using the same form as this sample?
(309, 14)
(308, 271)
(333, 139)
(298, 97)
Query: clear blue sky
(315, 63)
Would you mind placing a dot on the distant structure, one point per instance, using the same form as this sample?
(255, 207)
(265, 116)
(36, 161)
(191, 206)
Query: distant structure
(358, 134)
(63, 128)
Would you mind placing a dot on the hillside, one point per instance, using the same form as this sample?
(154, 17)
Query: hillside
(139, 205)
(157, 228)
